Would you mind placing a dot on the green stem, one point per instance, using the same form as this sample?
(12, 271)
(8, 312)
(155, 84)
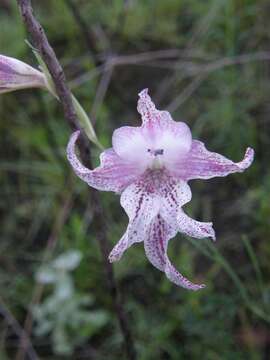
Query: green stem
(85, 123)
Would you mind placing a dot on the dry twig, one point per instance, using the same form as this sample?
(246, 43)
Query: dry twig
(38, 289)
(18, 330)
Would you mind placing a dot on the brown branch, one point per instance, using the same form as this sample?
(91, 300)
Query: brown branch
(169, 59)
(51, 243)
(18, 330)
(101, 91)
(40, 41)
(86, 33)
(201, 73)
(197, 33)
(186, 93)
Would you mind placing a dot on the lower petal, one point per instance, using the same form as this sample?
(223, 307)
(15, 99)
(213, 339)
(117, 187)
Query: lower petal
(156, 245)
(194, 228)
(141, 207)
(119, 248)
(175, 193)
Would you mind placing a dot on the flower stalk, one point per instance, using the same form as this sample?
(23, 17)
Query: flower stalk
(85, 122)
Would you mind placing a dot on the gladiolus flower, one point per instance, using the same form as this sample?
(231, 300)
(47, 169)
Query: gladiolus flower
(16, 75)
(150, 166)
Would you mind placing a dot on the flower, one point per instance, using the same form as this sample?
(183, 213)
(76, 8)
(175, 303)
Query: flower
(150, 166)
(16, 75)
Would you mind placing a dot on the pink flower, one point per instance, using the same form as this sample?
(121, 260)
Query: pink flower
(150, 166)
(16, 75)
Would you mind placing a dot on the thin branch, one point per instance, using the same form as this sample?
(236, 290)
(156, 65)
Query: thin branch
(186, 93)
(166, 59)
(88, 37)
(40, 41)
(197, 33)
(51, 243)
(86, 77)
(202, 72)
(234, 60)
(18, 330)
(101, 91)
(204, 23)
(156, 55)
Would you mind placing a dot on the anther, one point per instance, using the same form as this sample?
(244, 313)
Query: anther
(158, 152)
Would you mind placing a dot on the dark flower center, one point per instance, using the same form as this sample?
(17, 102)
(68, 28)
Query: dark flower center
(156, 152)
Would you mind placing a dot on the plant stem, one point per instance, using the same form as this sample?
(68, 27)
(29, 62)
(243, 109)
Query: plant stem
(40, 41)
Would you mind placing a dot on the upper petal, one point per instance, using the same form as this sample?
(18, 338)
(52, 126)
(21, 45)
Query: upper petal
(147, 108)
(174, 137)
(159, 132)
(113, 174)
(156, 245)
(131, 144)
(199, 163)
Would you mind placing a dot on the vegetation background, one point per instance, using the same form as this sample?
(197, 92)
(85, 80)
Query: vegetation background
(189, 54)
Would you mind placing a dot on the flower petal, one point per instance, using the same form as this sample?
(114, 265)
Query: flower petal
(174, 194)
(194, 228)
(159, 132)
(118, 250)
(113, 174)
(141, 207)
(200, 163)
(131, 144)
(174, 137)
(15, 75)
(156, 251)
(147, 108)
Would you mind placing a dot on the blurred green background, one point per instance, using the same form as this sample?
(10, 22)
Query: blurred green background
(189, 53)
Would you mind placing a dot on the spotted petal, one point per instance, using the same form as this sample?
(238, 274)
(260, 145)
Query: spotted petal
(158, 132)
(194, 228)
(141, 206)
(156, 245)
(113, 174)
(174, 137)
(199, 163)
(174, 194)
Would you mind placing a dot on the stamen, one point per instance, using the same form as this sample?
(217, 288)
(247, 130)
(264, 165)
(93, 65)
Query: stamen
(159, 152)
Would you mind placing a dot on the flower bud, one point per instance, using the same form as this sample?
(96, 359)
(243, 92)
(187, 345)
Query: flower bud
(16, 75)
